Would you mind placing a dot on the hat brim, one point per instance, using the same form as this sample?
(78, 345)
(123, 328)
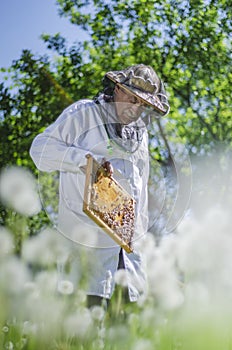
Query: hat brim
(149, 99)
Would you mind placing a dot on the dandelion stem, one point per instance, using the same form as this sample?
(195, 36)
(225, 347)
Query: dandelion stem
(118, 301)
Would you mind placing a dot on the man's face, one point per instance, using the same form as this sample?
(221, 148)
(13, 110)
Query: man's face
(128, 107)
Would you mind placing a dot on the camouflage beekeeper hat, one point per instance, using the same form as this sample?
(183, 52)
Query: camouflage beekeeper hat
(143, 82)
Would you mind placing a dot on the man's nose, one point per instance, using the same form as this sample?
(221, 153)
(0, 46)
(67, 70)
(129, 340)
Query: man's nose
(133, 112)
(134, 107)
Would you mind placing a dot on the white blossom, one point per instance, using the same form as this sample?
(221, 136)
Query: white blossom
(118, 334)
(197, 293)
(13, 275)
(121, 278)
(84, 235)
(169, 246)
(204, 252)
(79, 323)
(31, 290)
(205, 249)
(145, 245)
(162, 275)
(163, 283)
(97, 313)
(144, 344)
(46, 309)
(46, 282)
(29, 328)
(147, 317)
(18, 191)
(5, 329)
(45, 248)
(9, 345)
(65, 287)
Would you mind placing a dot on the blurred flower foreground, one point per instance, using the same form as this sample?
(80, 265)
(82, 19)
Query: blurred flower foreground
(186, 304)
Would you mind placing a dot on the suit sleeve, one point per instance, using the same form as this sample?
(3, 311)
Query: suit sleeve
(57, 148)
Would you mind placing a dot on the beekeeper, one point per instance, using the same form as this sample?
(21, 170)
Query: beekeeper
(112, 128)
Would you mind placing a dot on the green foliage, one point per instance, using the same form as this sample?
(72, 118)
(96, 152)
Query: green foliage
(187, 42)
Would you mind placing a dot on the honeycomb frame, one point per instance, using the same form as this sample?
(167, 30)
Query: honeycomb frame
(109, 205)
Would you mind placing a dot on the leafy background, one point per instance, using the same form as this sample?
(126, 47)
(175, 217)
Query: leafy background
(189, 44)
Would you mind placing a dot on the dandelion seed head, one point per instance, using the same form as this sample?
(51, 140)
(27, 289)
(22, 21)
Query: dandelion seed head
(22, 343)
(45, 310)
(80, 297)
(145, 244)
(18, 190)
(65, 287)
(118, 334)
(84, 235)
(187, 226)
(144, 344)
(13, 276)
(162, 276)
(31, 290)
(120, 277)
(29, 328)
(204, 246)
(197, 294)
(28, 203)
(46, 282)
(102, 332)
(29, 286)
(207, 247)
(172, 300)
(9, 345)
(45, 248)
(79, 323)
(147, 317)
(165, 288)
(5, 329)
(169, 247)
(97, 313)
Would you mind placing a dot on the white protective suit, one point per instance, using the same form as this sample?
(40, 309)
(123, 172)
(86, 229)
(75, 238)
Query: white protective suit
(63, 146)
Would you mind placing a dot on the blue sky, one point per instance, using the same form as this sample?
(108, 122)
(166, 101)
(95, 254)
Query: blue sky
(23, 21)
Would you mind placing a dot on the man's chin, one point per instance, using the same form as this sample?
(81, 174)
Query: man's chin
(125, 120)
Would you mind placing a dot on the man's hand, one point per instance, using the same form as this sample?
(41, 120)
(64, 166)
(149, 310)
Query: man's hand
(106, 170)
